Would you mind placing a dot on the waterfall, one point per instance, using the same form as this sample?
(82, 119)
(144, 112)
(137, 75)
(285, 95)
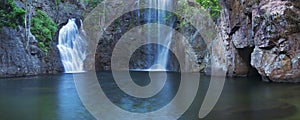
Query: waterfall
(72, 46)
(163, 37)
(163, 54)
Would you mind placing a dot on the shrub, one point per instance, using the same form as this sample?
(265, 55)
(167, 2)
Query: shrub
(10, 15)
(213, 6)
(43, 28)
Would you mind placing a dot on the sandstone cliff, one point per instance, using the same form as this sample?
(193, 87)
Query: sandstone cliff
(263, 33)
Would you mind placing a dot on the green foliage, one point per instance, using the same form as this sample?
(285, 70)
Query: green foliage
(10, 15)
(57, 2)
(213, 6)
(92, 3)
(43, 28)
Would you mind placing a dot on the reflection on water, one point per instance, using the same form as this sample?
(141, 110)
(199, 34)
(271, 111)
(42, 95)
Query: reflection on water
(55, 98)
(141, 105)
(40, 98)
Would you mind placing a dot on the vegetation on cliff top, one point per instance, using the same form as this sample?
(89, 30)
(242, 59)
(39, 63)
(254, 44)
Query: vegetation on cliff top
(42, 26)
(10, 15)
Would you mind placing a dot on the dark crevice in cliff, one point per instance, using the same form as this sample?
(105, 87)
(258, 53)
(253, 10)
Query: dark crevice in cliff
(245, 54)
(234, 29)
(263, 34)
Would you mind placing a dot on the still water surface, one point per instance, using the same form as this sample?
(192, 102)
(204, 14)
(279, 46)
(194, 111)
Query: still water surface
(54, 97)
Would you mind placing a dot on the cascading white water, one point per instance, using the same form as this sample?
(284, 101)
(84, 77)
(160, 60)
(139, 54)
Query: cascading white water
(72, 47)
(163, 37)
(163, 54)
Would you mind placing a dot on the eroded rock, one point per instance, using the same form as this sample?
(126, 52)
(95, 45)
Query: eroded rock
(16, 60)
(271, 28)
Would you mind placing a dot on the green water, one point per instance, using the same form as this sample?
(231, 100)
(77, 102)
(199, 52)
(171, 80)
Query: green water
(55, 98)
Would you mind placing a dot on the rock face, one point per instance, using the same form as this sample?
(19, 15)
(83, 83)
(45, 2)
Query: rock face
(263, 33)
(234, 43)
(107, 36)
(16, 60)
(276, 27)
(62, 12)
(22, 58)
(145, 56)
